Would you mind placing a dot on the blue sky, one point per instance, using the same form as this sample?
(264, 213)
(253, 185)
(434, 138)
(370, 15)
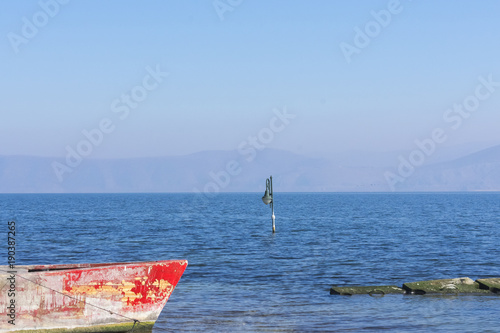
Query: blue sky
(225, 76)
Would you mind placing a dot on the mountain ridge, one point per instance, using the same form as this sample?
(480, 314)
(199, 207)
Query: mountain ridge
(232, 171)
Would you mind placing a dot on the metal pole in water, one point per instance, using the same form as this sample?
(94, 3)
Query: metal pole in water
(268, 199)
(273, 217)
(272, 205)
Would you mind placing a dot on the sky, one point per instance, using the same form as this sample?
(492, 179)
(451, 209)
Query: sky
(116, 79)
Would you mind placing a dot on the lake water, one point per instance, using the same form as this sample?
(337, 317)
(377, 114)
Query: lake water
(243, 278)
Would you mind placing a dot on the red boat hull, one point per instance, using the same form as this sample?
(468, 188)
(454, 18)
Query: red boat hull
(86, 297)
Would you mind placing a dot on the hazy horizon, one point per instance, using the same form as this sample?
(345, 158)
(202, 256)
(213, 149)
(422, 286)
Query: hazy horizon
(212, 172)
(449, 152)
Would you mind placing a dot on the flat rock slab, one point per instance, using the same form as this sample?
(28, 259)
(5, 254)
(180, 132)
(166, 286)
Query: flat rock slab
(369, 290)
(445, 286)
(492, 284)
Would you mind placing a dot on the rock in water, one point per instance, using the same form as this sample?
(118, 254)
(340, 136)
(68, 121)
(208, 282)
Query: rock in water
(445, 286)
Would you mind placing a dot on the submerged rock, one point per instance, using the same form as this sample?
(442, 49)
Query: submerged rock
(492, 284)
(369, 290)
(444, 286)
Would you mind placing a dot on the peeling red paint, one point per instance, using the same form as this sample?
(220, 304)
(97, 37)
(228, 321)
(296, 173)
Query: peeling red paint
(133, 290)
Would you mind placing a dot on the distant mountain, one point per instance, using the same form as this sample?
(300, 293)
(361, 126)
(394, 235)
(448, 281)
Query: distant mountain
(388, 158)
(479, 171)
(232, 171)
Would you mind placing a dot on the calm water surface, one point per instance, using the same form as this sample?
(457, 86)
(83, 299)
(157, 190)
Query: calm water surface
(243, 278)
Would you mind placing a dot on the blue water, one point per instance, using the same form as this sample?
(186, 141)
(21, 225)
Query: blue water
(243, 278)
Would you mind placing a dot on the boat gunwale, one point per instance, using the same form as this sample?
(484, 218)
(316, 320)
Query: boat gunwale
(83, 266)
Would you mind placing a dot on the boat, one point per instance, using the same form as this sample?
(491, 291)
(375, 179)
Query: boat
(107, 297)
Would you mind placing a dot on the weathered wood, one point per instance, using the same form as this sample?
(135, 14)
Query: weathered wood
(369, 290)
(444, 286)
(492, 284)
(108, 297)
